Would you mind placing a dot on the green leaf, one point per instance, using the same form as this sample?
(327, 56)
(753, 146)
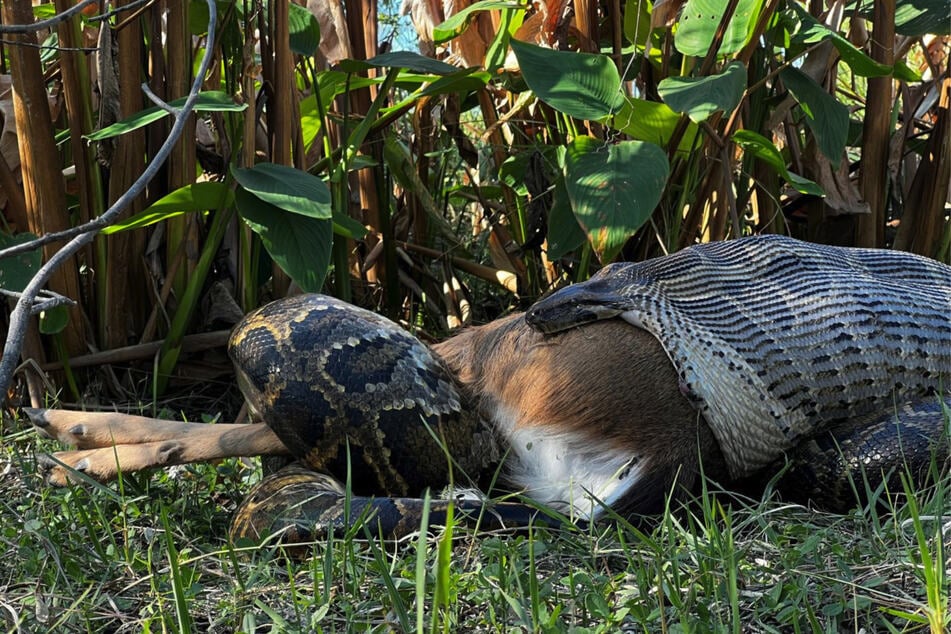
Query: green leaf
(914, 18)
(903, 72)
(614, 189)
(299, 244)
(650, 121)
(497, 52)
(700, 97)
(192, 198)
(468, 80)
(637, 22)
(580, 85)
(763, 149)
(827, 118)
(699, 20)
(400, 59)
(54, 320)
(305, 30)
(290, 189)
(16, 271)
(348, 227)
(455, 25)
(564, 233)
(210, 101)
(310, 120)
(813, 31)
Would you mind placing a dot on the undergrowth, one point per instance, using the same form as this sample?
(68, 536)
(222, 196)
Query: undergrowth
(150, 555)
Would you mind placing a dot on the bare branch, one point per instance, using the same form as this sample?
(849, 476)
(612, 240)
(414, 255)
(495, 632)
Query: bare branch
(47, 24)
(21, 313)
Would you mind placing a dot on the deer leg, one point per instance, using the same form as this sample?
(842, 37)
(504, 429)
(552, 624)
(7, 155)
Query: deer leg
(88, 430)
(109, 443)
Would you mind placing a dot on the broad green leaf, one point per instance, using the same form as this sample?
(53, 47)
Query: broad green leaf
(698, 24)
(468, 80)
(299, 244)
(16, 271)
(54, 320)
(192, 198)
(288, 188)
(650, 121)
(512, 172)
(310, 120)
(564, 233)
(210, 101)
(497, 52)
(637, 22)
(580, 85)
(305, 30)
(813, 31)
(914, 18)
(455, 25)
(700, 97)
(903, 72)
(348, 227)
(400, 59)
(614, 189)
(763, 149)
(827, 118)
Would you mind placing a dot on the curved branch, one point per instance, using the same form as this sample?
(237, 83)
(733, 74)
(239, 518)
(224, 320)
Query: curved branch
(47, 24)
(19, 318)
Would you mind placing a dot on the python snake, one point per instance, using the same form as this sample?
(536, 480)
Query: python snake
(775, 342)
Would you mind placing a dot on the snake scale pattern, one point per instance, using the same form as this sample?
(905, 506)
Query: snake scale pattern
(774, 340)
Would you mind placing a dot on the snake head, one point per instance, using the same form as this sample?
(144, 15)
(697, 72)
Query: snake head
(576, 305)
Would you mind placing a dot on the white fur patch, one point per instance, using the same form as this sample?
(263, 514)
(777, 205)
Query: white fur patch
(566, 470)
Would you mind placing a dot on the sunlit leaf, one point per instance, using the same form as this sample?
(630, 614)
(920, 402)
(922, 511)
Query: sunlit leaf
(700, 97)
(211, 101)
(305, 30)
(637, 22)
(914, 18)
(813, 31)
(400, 59)
(456, 24)
(650, 121)
(698, 24)
(188, 199)
(763, 149)
(614, 188)
(348, 227)
(579, 84)
(468, 80)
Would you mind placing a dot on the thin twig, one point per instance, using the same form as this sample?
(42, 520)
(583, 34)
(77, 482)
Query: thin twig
(21, 314)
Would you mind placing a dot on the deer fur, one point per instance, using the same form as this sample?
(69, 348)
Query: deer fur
(593, 413)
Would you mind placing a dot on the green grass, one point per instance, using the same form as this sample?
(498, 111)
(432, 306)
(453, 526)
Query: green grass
(150, 555)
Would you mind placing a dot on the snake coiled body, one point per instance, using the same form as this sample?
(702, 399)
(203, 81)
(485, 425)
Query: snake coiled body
(775, 342)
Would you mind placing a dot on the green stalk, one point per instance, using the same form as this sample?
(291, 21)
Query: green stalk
(172, 346)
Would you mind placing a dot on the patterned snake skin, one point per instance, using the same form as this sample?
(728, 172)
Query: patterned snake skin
(774, 339)
(348, 391)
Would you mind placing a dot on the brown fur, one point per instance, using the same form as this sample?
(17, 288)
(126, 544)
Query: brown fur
(609, 380)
